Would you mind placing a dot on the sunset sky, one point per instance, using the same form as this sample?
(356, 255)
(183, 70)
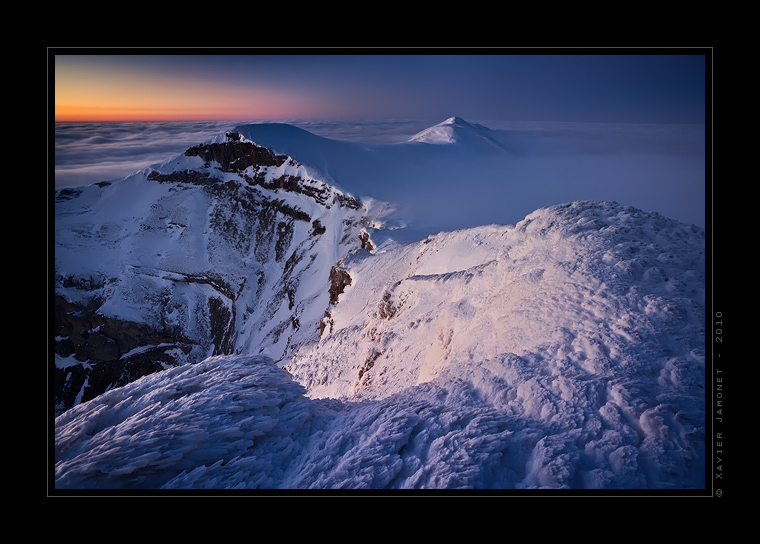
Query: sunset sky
(619, 88)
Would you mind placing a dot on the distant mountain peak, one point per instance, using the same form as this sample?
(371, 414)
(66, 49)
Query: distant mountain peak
(456, 130)
(455, 121)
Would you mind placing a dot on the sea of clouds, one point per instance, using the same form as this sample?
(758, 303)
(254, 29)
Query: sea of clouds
(654, 167)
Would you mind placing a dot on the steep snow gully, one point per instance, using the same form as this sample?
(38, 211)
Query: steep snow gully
(564, 352)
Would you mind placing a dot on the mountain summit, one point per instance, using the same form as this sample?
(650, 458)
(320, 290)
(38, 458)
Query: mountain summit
(457, 130)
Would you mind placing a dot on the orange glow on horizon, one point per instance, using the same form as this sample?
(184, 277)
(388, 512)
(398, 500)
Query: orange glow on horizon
(115, 114)
(86, 94)
(188, 109)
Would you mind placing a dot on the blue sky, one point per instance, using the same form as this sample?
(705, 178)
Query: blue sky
(617, 88)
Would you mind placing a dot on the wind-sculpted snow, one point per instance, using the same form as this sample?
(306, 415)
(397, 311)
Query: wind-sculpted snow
(237, 422)
(144, 434)
(586, 320)
(566, 351)
(241, 422)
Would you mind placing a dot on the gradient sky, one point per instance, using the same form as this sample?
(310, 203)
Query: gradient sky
(616, 88)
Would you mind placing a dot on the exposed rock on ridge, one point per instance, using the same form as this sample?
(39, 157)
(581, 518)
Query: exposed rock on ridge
(235, 155)
(251, 162)
(339, 280)
(117, 351)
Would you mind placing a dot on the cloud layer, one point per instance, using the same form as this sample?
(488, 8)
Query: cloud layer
(654, 167)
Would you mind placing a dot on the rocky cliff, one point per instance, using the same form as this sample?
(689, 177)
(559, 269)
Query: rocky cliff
(221, 250)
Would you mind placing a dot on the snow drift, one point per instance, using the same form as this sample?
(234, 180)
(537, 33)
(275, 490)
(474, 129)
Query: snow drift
(563, 352)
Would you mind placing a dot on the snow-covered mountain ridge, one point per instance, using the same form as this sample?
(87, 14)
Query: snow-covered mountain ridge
(204, 254)
(586, 285)
(565, 351)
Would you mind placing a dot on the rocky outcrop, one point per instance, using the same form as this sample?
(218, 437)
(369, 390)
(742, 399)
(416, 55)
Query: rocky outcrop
(251, 163)
(235, 155)
(339, 280)
(366, 242)
(191, 177)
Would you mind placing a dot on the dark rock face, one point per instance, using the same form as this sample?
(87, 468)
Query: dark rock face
(67, 194)
(234, 155)
(221, 323)
(90, 336)
(339, 279)
(366, 243)
(115, 352)
(246, 218)
(317, 227)
(192, 177)
(326, 323)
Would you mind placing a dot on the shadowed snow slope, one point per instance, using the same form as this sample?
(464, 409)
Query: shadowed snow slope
(566, 351)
